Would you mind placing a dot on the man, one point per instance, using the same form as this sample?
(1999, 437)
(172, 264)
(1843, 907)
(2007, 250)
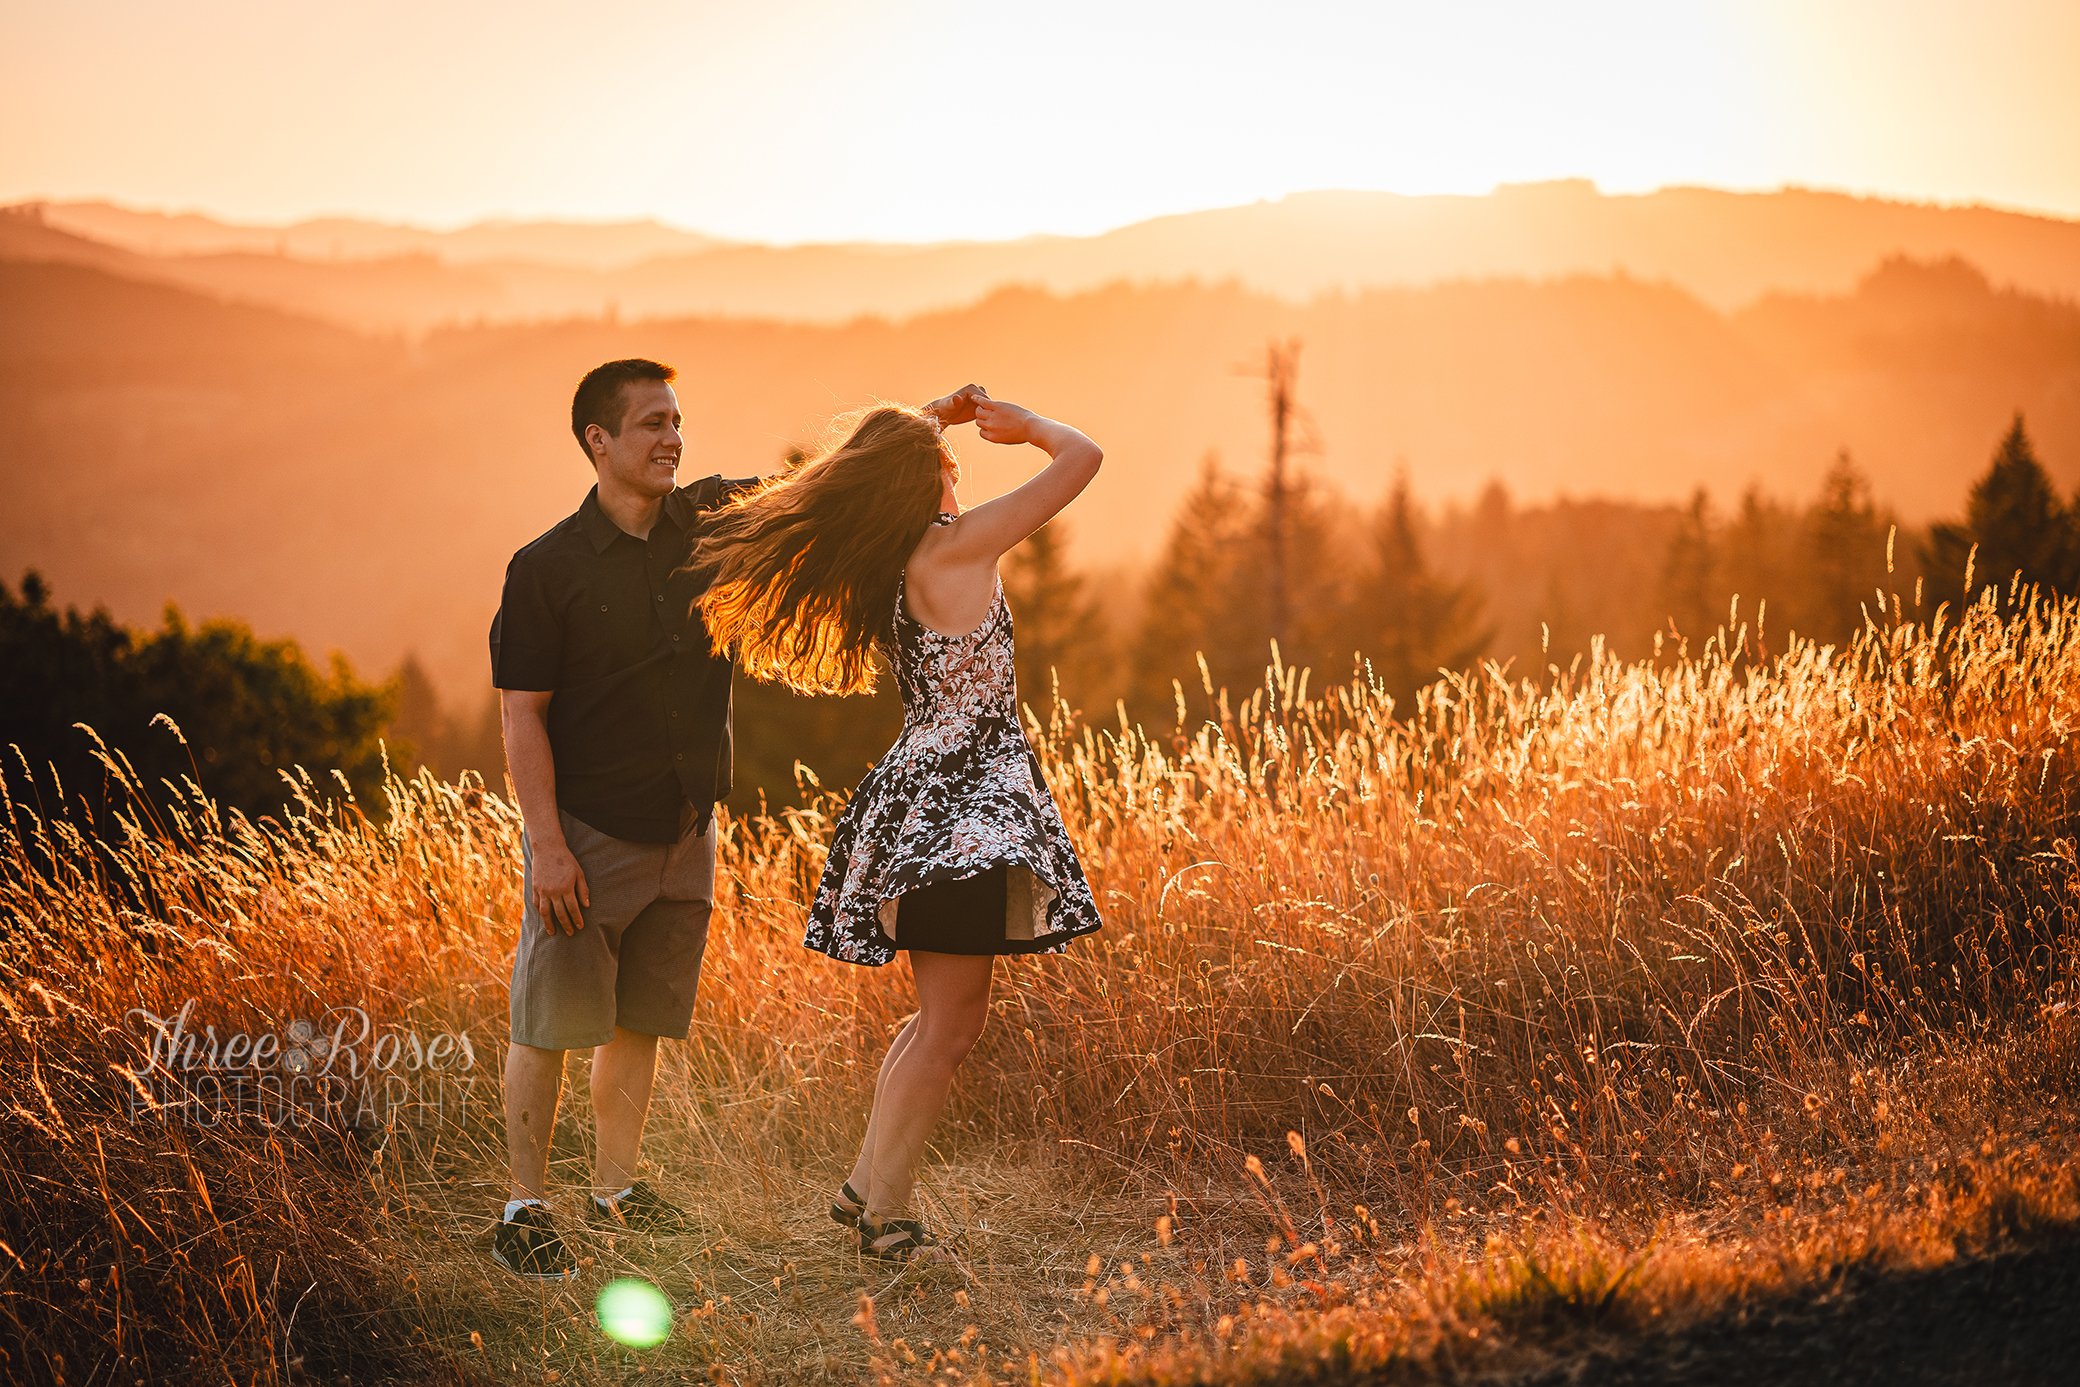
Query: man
(617, 730)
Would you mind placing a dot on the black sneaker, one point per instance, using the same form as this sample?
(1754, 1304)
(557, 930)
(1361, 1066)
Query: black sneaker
(641, 1210)
(527, 1244)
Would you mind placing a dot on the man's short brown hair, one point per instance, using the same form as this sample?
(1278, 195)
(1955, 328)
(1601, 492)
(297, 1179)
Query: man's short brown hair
(599, 397)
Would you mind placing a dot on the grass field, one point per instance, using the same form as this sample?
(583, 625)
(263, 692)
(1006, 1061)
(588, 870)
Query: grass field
(1427, 1042)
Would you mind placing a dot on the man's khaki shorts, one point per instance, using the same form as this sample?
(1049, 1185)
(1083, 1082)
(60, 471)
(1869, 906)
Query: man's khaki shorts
(637, 961)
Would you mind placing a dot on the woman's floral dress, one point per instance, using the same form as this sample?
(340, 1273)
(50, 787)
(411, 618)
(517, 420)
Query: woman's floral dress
(958, 794)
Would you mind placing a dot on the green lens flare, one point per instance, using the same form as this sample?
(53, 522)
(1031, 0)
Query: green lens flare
(633, 1312)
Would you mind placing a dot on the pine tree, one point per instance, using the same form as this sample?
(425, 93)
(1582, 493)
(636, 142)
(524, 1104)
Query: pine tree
(1061, 632)
(427, 730)
(419, 730)
(2018, 522)
(1195, 594)
(1411, 623)
(483, 748)
(1489, 546)
(1759, 562)
(1845, 554)
(1490, 532)
(1690, 576)
(1319, 585)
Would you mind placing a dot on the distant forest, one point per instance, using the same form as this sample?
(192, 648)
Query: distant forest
(1503, 468)
(1400, 594)
(1393, 594)
(364, 496)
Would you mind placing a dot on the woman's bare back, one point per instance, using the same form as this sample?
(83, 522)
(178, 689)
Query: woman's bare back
(944, 588)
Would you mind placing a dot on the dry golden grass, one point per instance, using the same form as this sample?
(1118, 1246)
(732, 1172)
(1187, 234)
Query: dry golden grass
(1436, 1037)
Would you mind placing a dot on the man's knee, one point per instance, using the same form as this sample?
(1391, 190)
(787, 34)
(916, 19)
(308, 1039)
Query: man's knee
(536, 1054)
(533, 1061)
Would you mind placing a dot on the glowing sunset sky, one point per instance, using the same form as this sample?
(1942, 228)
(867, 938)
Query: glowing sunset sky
(926, 119)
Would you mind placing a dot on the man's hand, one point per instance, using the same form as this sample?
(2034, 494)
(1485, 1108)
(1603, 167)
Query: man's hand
(959, 407)
(559, 886)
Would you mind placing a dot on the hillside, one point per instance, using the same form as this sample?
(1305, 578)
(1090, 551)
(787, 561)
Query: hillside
(364, 495)
(1707, 1020)
(1724, 248)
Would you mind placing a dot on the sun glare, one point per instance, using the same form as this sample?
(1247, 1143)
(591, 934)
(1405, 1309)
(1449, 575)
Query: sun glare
(813, 120)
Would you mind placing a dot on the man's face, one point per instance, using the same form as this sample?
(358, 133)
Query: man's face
(645, 457)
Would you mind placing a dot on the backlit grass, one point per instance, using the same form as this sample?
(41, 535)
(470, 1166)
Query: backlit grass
(1538, 1009)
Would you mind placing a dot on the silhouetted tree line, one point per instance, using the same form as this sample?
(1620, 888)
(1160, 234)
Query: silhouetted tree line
(1556, 576)
(1402, 595)
(1392, 590)
(211, 702)
(426, 730)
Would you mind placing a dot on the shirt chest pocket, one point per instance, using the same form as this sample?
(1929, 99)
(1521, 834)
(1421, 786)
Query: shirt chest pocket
(608, 627)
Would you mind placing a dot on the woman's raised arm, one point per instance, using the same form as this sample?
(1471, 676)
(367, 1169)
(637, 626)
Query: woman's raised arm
(992, 528)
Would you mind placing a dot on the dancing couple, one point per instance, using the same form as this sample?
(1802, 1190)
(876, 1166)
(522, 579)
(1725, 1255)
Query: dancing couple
(613, 650)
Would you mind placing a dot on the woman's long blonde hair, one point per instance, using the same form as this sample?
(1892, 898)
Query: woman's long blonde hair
(801, 572)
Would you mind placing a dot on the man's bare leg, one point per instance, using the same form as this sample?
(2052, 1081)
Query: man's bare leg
(533, 1087)
(623, 1071)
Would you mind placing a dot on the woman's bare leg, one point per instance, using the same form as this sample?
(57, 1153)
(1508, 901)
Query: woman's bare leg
(862, 1168)
(952, 1005)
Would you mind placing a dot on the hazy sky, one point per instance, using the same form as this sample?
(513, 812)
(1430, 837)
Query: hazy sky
(926, 119)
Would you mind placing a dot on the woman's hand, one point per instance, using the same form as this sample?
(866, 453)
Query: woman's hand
(957, 408)
(1004, 422)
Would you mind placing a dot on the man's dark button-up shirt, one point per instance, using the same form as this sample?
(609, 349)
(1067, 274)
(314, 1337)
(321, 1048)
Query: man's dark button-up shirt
(640, 724)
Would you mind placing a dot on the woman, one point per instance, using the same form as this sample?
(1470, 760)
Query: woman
(951, 849)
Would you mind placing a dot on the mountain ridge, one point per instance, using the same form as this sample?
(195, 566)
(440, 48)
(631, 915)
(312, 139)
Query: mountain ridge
(1726, 248)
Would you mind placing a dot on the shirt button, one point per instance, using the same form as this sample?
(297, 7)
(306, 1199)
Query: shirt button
(602, 606)
(675, 712)
(678, 756)
(660, 597)
(674, 637)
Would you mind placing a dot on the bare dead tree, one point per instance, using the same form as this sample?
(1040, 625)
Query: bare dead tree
(1281, 371)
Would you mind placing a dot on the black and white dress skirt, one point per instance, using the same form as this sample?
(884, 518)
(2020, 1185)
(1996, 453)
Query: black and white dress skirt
(952, 842)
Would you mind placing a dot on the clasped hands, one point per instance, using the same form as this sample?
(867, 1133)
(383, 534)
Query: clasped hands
(998, 420)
